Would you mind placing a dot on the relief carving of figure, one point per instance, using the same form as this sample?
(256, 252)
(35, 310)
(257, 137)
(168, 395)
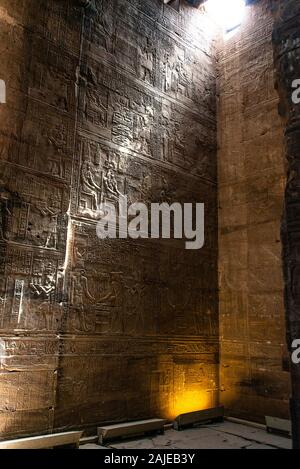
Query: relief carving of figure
(78, 294)
(57, 137)
(2, 307)
(183, 80)
(167, 72)
(171, 75)
(143, 134)
(145, 187)
(210, 322)
(115, 297)
(146, 64)
(167, 192)
(95, 106)
(44, 292)
(176, 76)
(111, 184)
(103, 25)
(89, 184)
(52, 214)
(136, 293)
(57, 166)
(4, 210)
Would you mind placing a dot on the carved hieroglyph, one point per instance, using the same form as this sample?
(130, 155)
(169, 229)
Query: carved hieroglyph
(114, 98)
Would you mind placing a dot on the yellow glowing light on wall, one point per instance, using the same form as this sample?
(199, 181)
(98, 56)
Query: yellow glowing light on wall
(191, 401)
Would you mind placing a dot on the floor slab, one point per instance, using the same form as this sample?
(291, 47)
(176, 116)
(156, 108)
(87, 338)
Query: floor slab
(225, 435)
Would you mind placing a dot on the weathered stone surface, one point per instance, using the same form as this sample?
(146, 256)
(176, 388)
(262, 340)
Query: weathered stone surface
(115, 97)
(119, 97)
(254, 359)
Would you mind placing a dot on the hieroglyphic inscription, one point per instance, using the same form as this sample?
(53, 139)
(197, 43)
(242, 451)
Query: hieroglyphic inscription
(110, 99)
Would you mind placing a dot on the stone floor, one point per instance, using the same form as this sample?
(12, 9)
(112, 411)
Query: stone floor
(226, 435)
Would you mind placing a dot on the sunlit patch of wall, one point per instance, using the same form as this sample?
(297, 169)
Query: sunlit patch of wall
(191, 401)
(185, 385)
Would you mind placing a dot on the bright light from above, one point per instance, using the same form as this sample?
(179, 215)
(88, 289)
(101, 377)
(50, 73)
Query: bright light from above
(228, 13)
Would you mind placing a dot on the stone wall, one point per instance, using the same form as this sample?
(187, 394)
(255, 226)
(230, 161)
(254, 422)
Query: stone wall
(117, 98)
(286, 42)
(254, 360)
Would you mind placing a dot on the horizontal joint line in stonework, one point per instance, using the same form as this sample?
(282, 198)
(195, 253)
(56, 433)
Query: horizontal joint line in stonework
(172, 351)
(154, 91)
(85, 133)
(68, 114)
(257, 291)
(32, 246)
(159, 339)
(50, 41)
(180, 40)
(72, 54)
(247, 342)
(72, 117)
(175, 348)
(20, 334)
(161, 27)
(244, 50)
(61, 182)
(288, 51)
(255, 175)
(210, 355)
(75, 52)
(250, 110)
(284, 23)
(254, 32)
(232, 229)
(146, 338)
(293, 126)
(82, 129)
(129, 348)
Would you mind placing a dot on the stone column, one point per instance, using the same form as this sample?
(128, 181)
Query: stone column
(286, 41)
